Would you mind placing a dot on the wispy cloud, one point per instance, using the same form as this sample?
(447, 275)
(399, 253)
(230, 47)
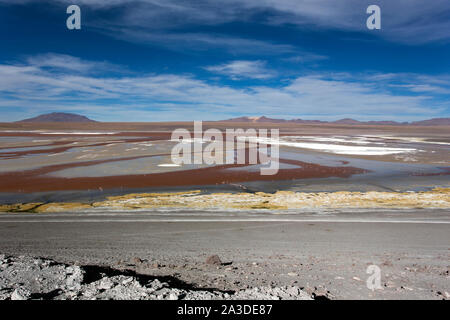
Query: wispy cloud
(34, 89)
(407, 21)
(240, 69)
(302, 57)
(178, 41)
(415, 83)
(62, 62)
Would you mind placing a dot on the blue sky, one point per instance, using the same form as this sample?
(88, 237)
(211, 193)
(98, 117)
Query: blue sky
(164, 60)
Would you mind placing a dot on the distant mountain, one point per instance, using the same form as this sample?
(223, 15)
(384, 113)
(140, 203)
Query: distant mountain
(347, 121)
(386, 123)
(264, 119)
(433, 122)
(245, 119)
(59, 117)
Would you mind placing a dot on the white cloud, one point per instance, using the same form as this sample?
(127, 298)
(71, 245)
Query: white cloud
(35, 89)
(408, 21)
(72, 64)
(424, 88)
(243, 69)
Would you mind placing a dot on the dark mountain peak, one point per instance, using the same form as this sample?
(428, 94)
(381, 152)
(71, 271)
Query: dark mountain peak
(59, 117)
(347, 121)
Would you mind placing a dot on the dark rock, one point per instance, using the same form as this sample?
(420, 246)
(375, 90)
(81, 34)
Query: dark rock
(213, 260)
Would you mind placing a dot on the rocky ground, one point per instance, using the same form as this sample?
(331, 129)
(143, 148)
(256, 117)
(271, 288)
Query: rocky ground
(326, 257)
(24, 278)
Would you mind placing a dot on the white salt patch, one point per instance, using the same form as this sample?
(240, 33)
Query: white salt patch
(336, 148)
(340, 139)
(412, 139)
(88, 156)
(195, 140)
(168, 165)
(354, 140)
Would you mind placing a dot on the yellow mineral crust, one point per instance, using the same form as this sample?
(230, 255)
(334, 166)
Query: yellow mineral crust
(151, 195)
(63, 206)
(436, 198)
(19, 207)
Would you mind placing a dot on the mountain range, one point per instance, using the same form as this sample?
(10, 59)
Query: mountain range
(71, 117)
(347, 121)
